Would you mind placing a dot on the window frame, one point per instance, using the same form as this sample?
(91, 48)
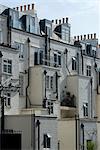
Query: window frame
(88, 70)
(49, 82)
(7, 99)
(85, 109)
(46, 141)
(7, 63)
(74, 64)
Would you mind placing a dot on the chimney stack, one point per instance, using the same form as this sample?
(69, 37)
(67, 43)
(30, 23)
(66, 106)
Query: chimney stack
(24, 7)
(28, 6)
(21, 8)
(94, 35)
(59, 21)
(84, 37)
(33, 6)
(66, 19)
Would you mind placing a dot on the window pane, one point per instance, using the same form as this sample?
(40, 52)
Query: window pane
(59, 60)
(9, 69)
(51, 82)
(47, 82)
(45, 141)
(48, 142)
(4, 68)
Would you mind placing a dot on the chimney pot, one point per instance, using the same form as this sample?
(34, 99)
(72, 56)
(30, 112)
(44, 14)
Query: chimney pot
(94, 35)
(74, 37)
(91, 36)
(66, 19)
(21, 8)
(81, 37)
(63, 20)
(78, 37)
(17, 8)
(84, 37)
(32, 6)
(59, 21)
(24, 7)
(56, 21)
(88, 36)
(52, 21)
(28, 6)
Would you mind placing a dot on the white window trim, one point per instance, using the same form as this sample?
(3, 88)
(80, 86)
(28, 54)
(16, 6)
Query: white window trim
(6, 63)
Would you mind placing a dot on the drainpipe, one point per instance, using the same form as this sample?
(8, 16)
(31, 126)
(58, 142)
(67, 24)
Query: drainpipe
(2, 114)
(9, 27)
(77, 133)
(28, 41)
(46, 46)
(34, 146)
(82, 127)
(1, 98)
(59, 145)
(78, 63)
(38, 126)
(57, 76)
(44, 100)
(82, 63)
(91, 82)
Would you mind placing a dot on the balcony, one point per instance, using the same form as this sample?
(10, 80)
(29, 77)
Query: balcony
(69, 100)
(68, 106)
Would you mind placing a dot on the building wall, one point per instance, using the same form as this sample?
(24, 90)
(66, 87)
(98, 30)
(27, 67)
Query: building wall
(25, 125)
(66, 134)
(48, 125)
(11, 54)
(36, 90)
(90, 132)
(21, 124)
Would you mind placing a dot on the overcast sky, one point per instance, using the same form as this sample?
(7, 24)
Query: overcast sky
(84, 15)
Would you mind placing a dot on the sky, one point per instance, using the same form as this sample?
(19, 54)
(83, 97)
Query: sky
(84, 15)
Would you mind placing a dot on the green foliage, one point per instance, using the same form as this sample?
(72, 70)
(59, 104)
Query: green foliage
(91, 145)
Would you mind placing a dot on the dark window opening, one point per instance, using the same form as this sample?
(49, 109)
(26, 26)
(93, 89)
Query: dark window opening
(73, 64)
(46, 141)
(35, 58)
